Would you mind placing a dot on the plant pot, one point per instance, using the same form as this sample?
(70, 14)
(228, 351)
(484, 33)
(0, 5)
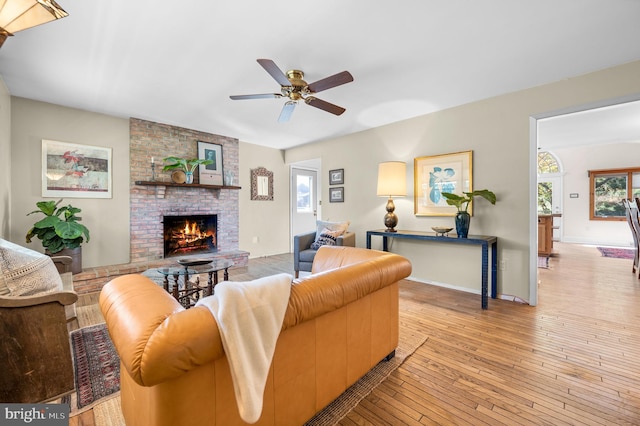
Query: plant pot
(463, 220)
(188, 177)
(76, 258)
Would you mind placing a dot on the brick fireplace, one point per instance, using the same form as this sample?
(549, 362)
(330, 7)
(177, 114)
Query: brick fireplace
(151, 204)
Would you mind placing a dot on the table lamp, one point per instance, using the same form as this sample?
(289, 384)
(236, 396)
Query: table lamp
(392, 182)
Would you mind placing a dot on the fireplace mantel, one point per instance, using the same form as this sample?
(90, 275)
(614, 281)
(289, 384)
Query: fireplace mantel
(161, 187)
(184, 185)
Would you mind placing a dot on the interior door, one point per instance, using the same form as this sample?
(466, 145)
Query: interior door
(304, 201)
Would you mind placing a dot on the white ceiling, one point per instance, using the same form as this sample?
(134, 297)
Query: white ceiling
(178, 62)
(618, 123)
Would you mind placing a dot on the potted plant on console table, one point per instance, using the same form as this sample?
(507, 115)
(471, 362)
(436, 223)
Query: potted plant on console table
(463, 218)
(61, 236)
(187, 166)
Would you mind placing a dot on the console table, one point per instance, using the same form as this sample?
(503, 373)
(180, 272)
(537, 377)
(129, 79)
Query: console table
(481, 240)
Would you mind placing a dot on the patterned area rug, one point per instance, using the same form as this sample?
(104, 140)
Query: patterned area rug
(618, 253)
(543, 262)
(97, 368)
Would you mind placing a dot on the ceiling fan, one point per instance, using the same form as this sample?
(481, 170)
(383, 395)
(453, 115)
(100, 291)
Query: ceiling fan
(296, 89)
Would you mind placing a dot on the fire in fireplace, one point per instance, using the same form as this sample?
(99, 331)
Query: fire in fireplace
(189, 234)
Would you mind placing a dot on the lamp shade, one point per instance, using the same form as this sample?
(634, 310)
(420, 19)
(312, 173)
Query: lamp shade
(17, 15)
(392, 179)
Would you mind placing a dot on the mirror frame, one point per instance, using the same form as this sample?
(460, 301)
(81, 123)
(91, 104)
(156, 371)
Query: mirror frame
(255, 193)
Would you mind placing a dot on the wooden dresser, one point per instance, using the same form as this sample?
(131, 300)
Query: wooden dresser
(545, 233)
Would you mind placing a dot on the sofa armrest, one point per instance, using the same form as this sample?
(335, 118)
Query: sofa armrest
(162, 341)
(347, 239)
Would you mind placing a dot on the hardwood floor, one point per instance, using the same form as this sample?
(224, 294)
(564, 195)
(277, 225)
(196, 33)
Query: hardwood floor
(573, 359)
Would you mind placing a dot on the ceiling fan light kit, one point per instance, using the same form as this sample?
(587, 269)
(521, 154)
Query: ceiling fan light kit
(293, 87)
(18, 15)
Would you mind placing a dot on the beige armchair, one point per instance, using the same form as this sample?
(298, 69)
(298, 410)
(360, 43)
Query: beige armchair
(35, 353)
(34, 350)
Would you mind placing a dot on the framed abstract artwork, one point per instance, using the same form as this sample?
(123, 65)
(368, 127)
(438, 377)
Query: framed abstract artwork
(73, 170)
(436, 174)
(210, 174)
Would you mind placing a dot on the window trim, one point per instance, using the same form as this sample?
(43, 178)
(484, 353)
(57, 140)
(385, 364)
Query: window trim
(595, 173)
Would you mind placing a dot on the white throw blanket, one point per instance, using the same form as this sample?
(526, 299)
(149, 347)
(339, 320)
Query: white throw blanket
(249, 316)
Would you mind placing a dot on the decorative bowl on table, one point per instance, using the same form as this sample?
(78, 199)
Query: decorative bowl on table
(441, 230)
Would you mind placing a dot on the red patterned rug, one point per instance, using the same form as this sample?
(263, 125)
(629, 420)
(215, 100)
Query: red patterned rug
(97, 368)
(618, 253)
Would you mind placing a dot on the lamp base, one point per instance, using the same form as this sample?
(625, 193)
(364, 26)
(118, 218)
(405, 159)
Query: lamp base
(390, 219)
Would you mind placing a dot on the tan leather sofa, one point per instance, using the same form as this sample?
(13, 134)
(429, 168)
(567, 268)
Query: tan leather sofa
(340, 322)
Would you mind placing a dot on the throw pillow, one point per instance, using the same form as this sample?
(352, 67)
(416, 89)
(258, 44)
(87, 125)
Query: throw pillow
(25, 272)
(331, 226)
(326, 238)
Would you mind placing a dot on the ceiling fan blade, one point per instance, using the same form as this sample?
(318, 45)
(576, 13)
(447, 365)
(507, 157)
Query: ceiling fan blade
(286, 112)
(275, 72)
(324, 105)
(332, 81)
(259, 96)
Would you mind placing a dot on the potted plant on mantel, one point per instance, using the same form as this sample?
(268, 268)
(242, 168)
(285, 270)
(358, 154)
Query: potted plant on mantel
(461, 202)
(187, 166)
(60, 235)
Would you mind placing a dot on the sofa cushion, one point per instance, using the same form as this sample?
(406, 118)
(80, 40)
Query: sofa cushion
(25, 272)
(326, 238)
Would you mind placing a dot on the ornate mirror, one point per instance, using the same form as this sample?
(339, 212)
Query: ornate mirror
(261, 184)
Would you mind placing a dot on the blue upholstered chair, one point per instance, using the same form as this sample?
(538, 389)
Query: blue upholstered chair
(303, 254)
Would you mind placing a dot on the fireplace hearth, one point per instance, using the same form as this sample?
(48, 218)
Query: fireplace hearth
(190, 234)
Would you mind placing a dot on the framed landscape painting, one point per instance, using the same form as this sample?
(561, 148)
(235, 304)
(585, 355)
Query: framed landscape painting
(436, 174)
(75, 171)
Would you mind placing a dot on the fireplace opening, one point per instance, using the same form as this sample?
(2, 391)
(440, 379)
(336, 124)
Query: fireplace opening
(189, 234)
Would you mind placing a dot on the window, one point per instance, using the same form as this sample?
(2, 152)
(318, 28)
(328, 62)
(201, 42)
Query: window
(303, 186)
(607, 190)
(547, 163)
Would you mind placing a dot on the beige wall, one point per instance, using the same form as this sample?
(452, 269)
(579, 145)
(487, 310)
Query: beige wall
(264, 225)
(107, 219)
(498, 132)
(5, 159)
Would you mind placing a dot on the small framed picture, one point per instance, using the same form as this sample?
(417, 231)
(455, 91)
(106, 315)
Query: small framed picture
(336, 195)
(210, 174)
(336, 177)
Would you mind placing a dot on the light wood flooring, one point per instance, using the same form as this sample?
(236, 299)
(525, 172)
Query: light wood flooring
(573, 359)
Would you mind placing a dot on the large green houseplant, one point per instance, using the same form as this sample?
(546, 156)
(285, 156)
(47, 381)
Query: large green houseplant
(461, 202)
(187, 166)
(60, 231)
